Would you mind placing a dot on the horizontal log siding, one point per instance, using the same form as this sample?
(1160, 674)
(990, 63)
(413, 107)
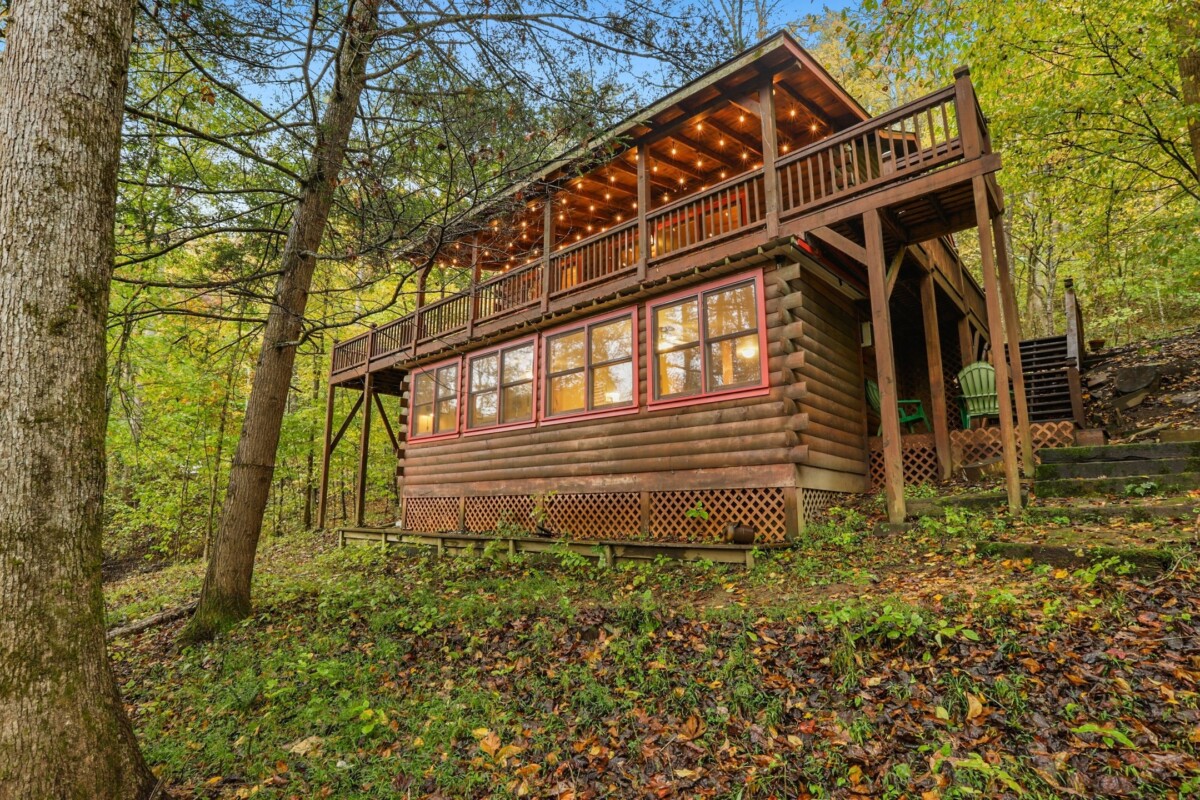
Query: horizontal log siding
(835, 400)
(747, 432)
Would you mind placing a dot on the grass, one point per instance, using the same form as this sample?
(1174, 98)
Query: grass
(891, 666)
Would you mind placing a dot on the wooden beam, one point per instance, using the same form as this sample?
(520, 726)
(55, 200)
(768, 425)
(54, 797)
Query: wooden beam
(937, 379)
(346, 423)
(832, 237)
(885, 367)
(893, 271)
(739, 139)
(1012, 327)
(387, 425)
(966, 342)
(766, 102)
(364, 442)
(991, 288)
(813, 109)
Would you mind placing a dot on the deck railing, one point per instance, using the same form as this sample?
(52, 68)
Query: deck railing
(726, 208)
(923, 135)
(913, 138)
(595, 259)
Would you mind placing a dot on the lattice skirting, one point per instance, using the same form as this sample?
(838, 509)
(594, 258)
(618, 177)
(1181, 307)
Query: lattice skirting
(762, 508)
(966, 447)
(816, 502)
(980, 444)
(613, 515)
(431, 514)
(919, 455)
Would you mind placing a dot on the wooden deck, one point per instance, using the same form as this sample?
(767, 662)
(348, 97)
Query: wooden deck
(609, 551)
(916, 163)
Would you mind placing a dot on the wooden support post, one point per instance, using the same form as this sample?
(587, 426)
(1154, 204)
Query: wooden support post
(643, 208)
(360, 478)
(422, 277)
(327, 451)
(937, 379)
(547, 247)
(1012, 326)
(966, 342)
(770, 142)
(995, 317)
(476, 269)
(1074, 334)
(967, 112)
(885, 366)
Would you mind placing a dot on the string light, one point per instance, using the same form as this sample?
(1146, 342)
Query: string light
(721, 142)
(741, 117)
(813, 127)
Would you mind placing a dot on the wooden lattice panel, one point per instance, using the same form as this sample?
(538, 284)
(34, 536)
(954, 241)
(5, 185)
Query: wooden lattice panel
(615, 515)
(817, 501)
(431, 514)
(919, 456)
(487, 513)
(976, 445)
(1053, 434)
(762, 508)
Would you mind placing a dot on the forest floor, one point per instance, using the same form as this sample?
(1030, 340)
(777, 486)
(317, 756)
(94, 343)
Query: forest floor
(860, 664)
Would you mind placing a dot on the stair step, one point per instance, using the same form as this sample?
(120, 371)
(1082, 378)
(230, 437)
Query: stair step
(1122, 486)
(1117, 469)
(1134, 509)
(1121, 452)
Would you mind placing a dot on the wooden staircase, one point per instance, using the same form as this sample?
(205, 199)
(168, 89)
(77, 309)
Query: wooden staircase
(1050, 373)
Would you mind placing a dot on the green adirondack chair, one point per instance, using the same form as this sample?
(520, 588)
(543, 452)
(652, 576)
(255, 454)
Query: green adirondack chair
(979, 399)
(911, 411)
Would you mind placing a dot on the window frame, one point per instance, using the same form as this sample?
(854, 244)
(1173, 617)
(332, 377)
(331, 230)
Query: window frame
(698, 293)
(586, 324)
(498, 350)
(421, 438)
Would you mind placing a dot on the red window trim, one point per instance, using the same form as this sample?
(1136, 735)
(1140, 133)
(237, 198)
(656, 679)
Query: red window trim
(467, 430)
(543, 376)
(413, 436)
(706, 396)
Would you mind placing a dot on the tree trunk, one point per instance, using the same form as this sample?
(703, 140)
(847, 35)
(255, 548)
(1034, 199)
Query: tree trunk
(63, 730)
(225, 597)
(1185, 27)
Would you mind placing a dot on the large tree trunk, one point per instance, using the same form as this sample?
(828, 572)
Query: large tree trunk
(63, 730)
(225, 597)
(1185, 26)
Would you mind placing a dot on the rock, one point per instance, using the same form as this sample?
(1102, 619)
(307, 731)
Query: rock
(1128, 401)
(1132, 379)
(1095, 379)
(1184, 399)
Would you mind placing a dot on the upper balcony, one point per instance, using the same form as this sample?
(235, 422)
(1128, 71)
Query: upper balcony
(732, 161)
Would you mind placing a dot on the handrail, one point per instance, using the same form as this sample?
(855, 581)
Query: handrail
(856, 130)
(691, 198)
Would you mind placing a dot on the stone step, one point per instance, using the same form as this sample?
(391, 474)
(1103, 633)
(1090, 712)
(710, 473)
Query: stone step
(1117, 469)
(1146, 547)
(967, 501)
(1135, 509)
(1120, 452)
(1154, 485)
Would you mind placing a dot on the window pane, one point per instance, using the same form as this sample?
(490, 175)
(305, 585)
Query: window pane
(423, 389)
(612, 385)
(675, 325)
(518, 402)
(483, 373)
(518, 364)
(483, 409)
(447, 415)
(566, 351)
(423, 423)
(612, 340)
(567, 393)
(734, 362)
(679, 372)
(447, 378)
(730, 311)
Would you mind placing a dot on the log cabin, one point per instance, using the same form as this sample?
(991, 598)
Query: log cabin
(677, 328)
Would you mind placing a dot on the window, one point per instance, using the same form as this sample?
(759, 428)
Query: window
(590, 368)
(500, 387)
(435, 401)
(708, 342)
